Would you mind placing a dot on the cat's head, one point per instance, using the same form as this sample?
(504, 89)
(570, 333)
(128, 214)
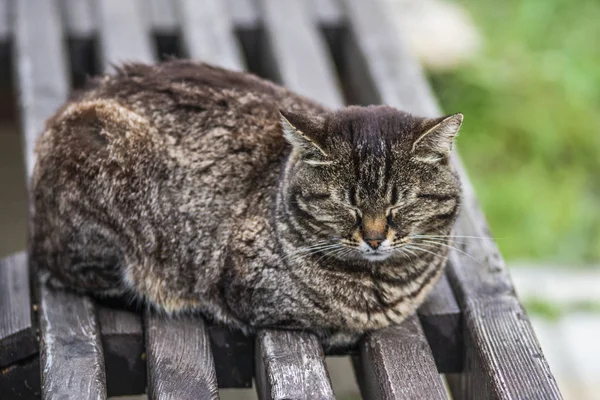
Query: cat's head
(366, 182)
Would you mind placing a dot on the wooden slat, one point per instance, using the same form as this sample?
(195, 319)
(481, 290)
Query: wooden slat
(17, 334)
(208, 33)
(180, 363)
(503, 357)
(72, 366)
(71, 353)
(124, 35)
(123, 32)
(41, 70)
(299, 53)
(291, 365)
(441, 320)
(395, 363)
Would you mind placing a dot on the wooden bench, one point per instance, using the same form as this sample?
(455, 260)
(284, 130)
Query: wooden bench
(57, 345)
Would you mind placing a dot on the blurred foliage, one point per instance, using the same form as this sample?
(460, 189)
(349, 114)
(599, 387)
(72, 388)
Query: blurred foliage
(531, 137)
(554, 311)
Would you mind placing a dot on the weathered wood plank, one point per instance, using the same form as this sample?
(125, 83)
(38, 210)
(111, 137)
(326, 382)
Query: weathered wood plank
(41, 70)
(180, 363)
(291, 365)
(123, 32)
(441, 320)
(503, 357)
(17, 333)
(208, 33)
(71, 353)
(300, 55)
(395, 363)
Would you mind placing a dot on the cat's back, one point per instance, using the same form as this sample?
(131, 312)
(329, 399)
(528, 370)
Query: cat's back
(153, 153)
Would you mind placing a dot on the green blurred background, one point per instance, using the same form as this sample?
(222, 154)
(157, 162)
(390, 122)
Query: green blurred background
(531, 137)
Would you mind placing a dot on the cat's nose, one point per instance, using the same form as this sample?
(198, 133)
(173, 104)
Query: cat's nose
(374, 243)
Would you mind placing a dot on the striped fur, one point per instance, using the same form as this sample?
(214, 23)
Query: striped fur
(201, 189)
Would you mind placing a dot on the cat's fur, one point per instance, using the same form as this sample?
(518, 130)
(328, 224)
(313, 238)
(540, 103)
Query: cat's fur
(175, 183)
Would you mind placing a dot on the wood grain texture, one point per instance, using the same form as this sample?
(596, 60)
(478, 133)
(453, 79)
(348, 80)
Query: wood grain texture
(396, 363)
(71, 360)
(40, 68)
(504, 359)
(180, 363)
(291, 365)
(441, 320)
(298, 53)
(124, 33)
(208, 33)
(17, 332)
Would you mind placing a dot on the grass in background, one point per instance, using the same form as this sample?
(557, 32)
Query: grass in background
(531, 137)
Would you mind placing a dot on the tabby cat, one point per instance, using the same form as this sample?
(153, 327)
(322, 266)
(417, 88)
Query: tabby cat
(196, 188)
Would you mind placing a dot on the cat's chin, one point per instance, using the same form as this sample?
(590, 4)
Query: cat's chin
(375, 256)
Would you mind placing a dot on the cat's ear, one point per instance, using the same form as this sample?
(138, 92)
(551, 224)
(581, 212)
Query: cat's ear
(435, 143)
(305, 133)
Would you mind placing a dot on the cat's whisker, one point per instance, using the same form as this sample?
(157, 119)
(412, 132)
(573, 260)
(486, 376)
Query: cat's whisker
(414, 246)
(443, 240)
(453, 248)
(450, 236)
(314, 247)
(407, 249)
(331, 253)
(303, 254)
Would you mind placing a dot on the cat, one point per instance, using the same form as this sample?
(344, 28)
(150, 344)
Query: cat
(199, 189)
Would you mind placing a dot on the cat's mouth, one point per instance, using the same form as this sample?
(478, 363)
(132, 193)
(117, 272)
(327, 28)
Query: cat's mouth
(376, 255)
